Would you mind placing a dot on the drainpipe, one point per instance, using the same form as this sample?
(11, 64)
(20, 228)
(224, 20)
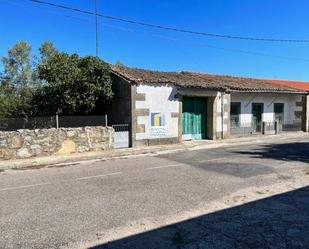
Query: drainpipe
(222, 115)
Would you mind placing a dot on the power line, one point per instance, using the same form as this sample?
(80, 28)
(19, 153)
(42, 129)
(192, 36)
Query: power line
(180, 40)
(171, 28)
(207, 45)
(13, 2)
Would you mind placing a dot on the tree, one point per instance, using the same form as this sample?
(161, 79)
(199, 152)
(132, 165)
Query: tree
(46, 50)
(19, 81)
(74, 84)
(18, 65)
(51, 82)
(9, 102)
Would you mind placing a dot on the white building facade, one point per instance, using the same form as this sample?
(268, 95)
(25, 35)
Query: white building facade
(167, 108)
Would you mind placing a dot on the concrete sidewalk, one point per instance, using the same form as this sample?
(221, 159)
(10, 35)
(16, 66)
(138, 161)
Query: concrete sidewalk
(38, 162)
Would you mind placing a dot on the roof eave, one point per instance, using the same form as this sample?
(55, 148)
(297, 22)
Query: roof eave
(267, 91)
(221, 89)
(116, 73)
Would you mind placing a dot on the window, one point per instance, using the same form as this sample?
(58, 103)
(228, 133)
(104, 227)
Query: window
(235, 113)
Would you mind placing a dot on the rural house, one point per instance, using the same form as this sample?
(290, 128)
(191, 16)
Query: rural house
(169, 107)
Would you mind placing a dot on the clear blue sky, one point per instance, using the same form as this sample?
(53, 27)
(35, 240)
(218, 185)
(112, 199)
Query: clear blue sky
(163, 50)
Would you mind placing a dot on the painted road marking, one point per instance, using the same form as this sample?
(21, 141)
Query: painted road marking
(97, 176)
(213, 160)
(166, 166)
(25, 186)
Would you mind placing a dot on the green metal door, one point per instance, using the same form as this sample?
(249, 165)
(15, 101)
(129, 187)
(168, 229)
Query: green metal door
(257, 111)
(194, 118)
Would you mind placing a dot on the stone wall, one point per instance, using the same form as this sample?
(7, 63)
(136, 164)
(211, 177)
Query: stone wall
(45, 142)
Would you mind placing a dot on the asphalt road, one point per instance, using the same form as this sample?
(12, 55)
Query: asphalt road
(69, 206)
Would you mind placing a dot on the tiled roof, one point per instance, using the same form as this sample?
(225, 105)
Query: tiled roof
(300, 85)
(200, 80)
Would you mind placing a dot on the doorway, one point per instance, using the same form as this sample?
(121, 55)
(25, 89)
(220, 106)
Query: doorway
(279, 114)
(194, 118)
(257, 111)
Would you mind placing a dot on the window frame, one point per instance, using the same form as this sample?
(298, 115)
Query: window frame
(238, 122)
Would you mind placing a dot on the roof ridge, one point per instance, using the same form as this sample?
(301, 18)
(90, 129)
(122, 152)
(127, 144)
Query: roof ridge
(205, 73)
(142, 69)
(296, 81)
(222, 75)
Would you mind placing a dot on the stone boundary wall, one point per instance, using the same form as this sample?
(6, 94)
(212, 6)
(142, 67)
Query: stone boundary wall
(47, 142)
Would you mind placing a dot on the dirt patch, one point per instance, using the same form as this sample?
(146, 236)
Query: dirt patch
(306, 171)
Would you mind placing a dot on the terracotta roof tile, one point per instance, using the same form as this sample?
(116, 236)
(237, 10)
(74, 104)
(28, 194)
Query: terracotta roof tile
(200, 80)
(299, 85)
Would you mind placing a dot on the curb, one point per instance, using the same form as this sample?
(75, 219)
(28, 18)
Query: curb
(82, 157)
(72, 159)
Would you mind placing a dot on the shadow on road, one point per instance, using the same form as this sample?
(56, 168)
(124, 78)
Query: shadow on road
(280, 221)
(286, 152)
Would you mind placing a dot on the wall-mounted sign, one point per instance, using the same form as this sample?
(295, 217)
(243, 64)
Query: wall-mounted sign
(157, 124)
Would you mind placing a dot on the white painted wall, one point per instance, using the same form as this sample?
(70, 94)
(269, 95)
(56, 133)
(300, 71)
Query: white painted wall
(268, 99)
(159, 99)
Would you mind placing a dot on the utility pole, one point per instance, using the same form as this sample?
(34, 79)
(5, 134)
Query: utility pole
(96, 29)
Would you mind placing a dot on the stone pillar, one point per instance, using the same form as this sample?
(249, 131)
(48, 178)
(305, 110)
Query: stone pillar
(133, 117)
(138, 112)
(218, 116)
(305, 114)
(180, 119)
(226, 115)
(211, 117)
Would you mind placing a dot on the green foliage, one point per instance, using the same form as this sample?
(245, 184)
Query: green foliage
(54, 82)
(8, 102)
(75, 84)
(18, 81)
(18, 65)
(15, 103)
(47, 49)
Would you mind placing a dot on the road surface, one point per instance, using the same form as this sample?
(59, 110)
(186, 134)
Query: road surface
(78, 206)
